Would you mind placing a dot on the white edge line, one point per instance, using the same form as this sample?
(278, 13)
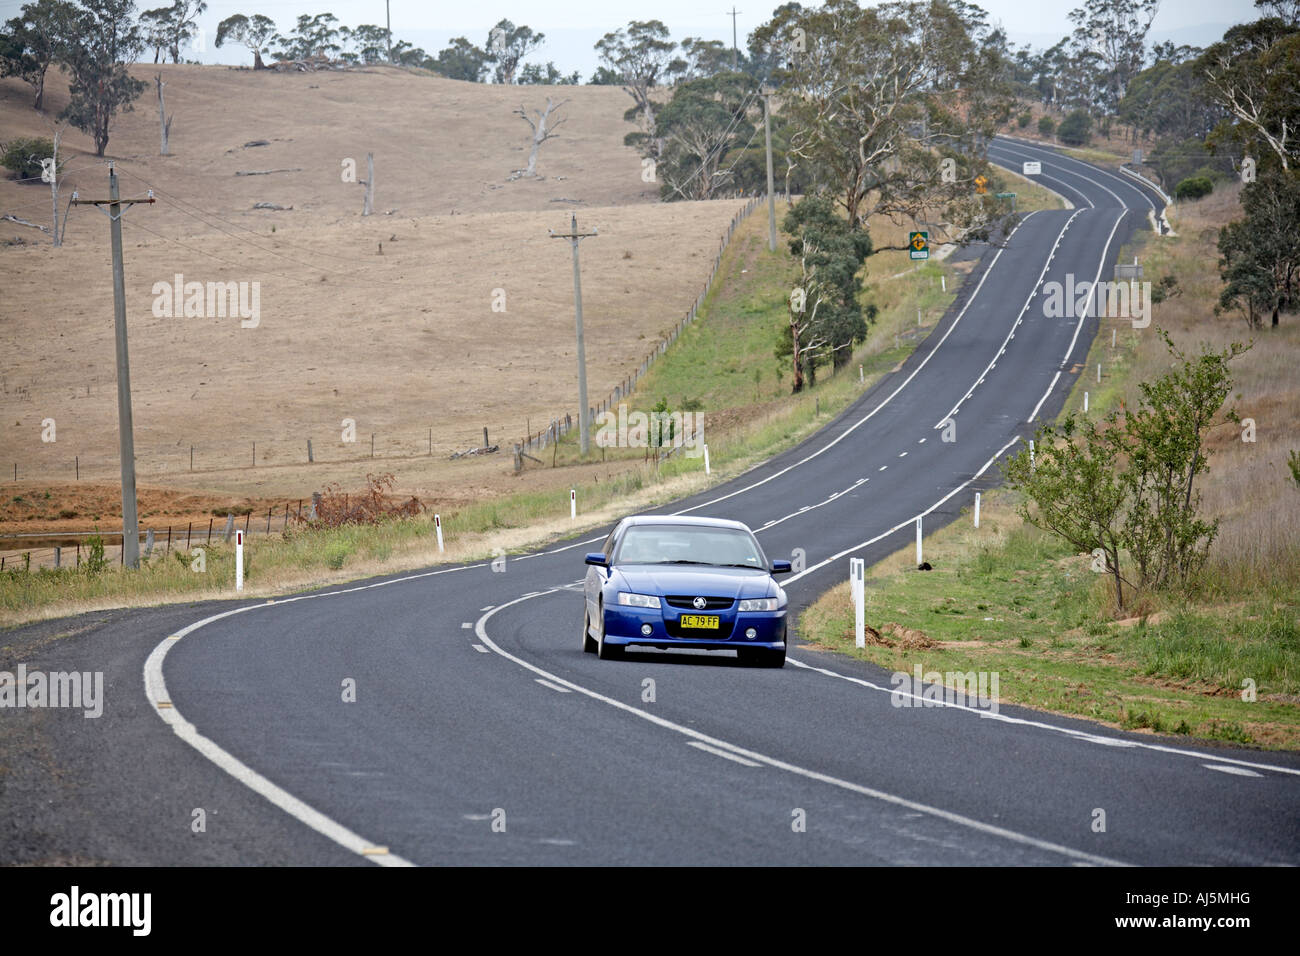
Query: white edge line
(155, 689)
(719, 752)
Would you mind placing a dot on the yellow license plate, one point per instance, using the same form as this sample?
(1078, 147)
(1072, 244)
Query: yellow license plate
(699, 620)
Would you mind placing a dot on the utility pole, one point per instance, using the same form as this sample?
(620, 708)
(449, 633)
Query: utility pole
(583, 424)
(734, 49)
(125, 429)
(388, 20)
(771, 196)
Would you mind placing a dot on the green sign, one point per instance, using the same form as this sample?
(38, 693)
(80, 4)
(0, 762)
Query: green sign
(920, 245)
(1005, 195)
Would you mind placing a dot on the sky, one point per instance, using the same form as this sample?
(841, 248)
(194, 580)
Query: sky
(572, 27)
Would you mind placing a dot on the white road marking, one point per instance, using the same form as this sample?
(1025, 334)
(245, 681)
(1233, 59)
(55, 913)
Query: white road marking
(1034, 413)
(1239, 771)
(1066, 158)
(480, 648)
(545, 683)
(883, 467)
(903, 524)
(481, 630)
(902, 454)
(861, 421)
(155, 689)
(1016, 324)
(467, 625)
(719, 752)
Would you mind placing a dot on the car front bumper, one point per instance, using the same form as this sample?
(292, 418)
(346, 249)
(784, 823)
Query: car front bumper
(623, 626)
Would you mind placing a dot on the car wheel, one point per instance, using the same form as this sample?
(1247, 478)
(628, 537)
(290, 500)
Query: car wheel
(605, 651)
(588, 643)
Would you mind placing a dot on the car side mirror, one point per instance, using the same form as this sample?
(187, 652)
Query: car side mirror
(598, 559)
(781, 567)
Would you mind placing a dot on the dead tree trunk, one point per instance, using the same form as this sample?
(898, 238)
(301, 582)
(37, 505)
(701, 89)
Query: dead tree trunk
(540, 134)
(54, 186)
(164, 121)
(368, 205)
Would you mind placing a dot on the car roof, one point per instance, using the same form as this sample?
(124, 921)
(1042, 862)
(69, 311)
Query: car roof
(692, 520)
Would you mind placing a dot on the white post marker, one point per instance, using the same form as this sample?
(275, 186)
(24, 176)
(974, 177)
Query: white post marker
(1031, 453)
(943, 281)
(1098, 373)
(239, 560)
(1085, 403)
(573, 504)
(437, 529)
(977, 509)
(706, 460)
(857, 574)
(918, 541)
(861, 377)
(1112, 338)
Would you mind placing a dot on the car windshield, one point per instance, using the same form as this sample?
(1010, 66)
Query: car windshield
(688, 544)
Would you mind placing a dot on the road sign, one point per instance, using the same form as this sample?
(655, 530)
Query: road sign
(1004, 195)
(1033, 169)
(920, 245)
(981, 184)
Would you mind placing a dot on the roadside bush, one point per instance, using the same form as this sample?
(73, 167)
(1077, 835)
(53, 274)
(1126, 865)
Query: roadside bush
(336, 554)
(1023, 119)
(1047, 126)
(1194, 187)
(1076, 129)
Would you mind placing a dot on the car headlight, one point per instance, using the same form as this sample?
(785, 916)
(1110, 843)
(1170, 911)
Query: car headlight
(758, 604)
(638, 600)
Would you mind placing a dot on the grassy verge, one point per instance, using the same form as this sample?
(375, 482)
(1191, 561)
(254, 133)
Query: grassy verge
(1009, 599)
(723, 363)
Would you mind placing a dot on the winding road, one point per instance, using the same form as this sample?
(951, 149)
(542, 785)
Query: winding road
(481, 734)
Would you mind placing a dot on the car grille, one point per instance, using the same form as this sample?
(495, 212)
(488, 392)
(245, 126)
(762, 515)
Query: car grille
(687, 602)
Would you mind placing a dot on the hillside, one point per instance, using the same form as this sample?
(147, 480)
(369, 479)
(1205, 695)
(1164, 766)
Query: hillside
(386, 320)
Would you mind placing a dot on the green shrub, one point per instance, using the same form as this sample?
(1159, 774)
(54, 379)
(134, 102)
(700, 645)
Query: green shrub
(1046, 126)
(336, 554)
(1076, 129)
(1023, 119)
(1194, 187)
(95, 561)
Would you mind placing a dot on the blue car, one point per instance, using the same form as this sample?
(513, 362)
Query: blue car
(666, 582)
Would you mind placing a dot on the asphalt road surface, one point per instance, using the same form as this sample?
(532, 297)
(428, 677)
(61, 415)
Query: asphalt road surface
(481, 734)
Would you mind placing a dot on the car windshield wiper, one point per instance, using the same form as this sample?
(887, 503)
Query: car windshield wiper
(683, 561)
(751, 567)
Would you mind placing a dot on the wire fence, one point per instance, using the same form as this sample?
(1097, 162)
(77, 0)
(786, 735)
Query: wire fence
(71, 549)
(537, 441)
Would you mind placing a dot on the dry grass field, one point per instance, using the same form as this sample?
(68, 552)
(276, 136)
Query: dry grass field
(387, 320)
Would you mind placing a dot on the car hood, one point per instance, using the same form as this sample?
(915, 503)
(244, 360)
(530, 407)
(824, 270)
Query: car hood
(661, 579)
